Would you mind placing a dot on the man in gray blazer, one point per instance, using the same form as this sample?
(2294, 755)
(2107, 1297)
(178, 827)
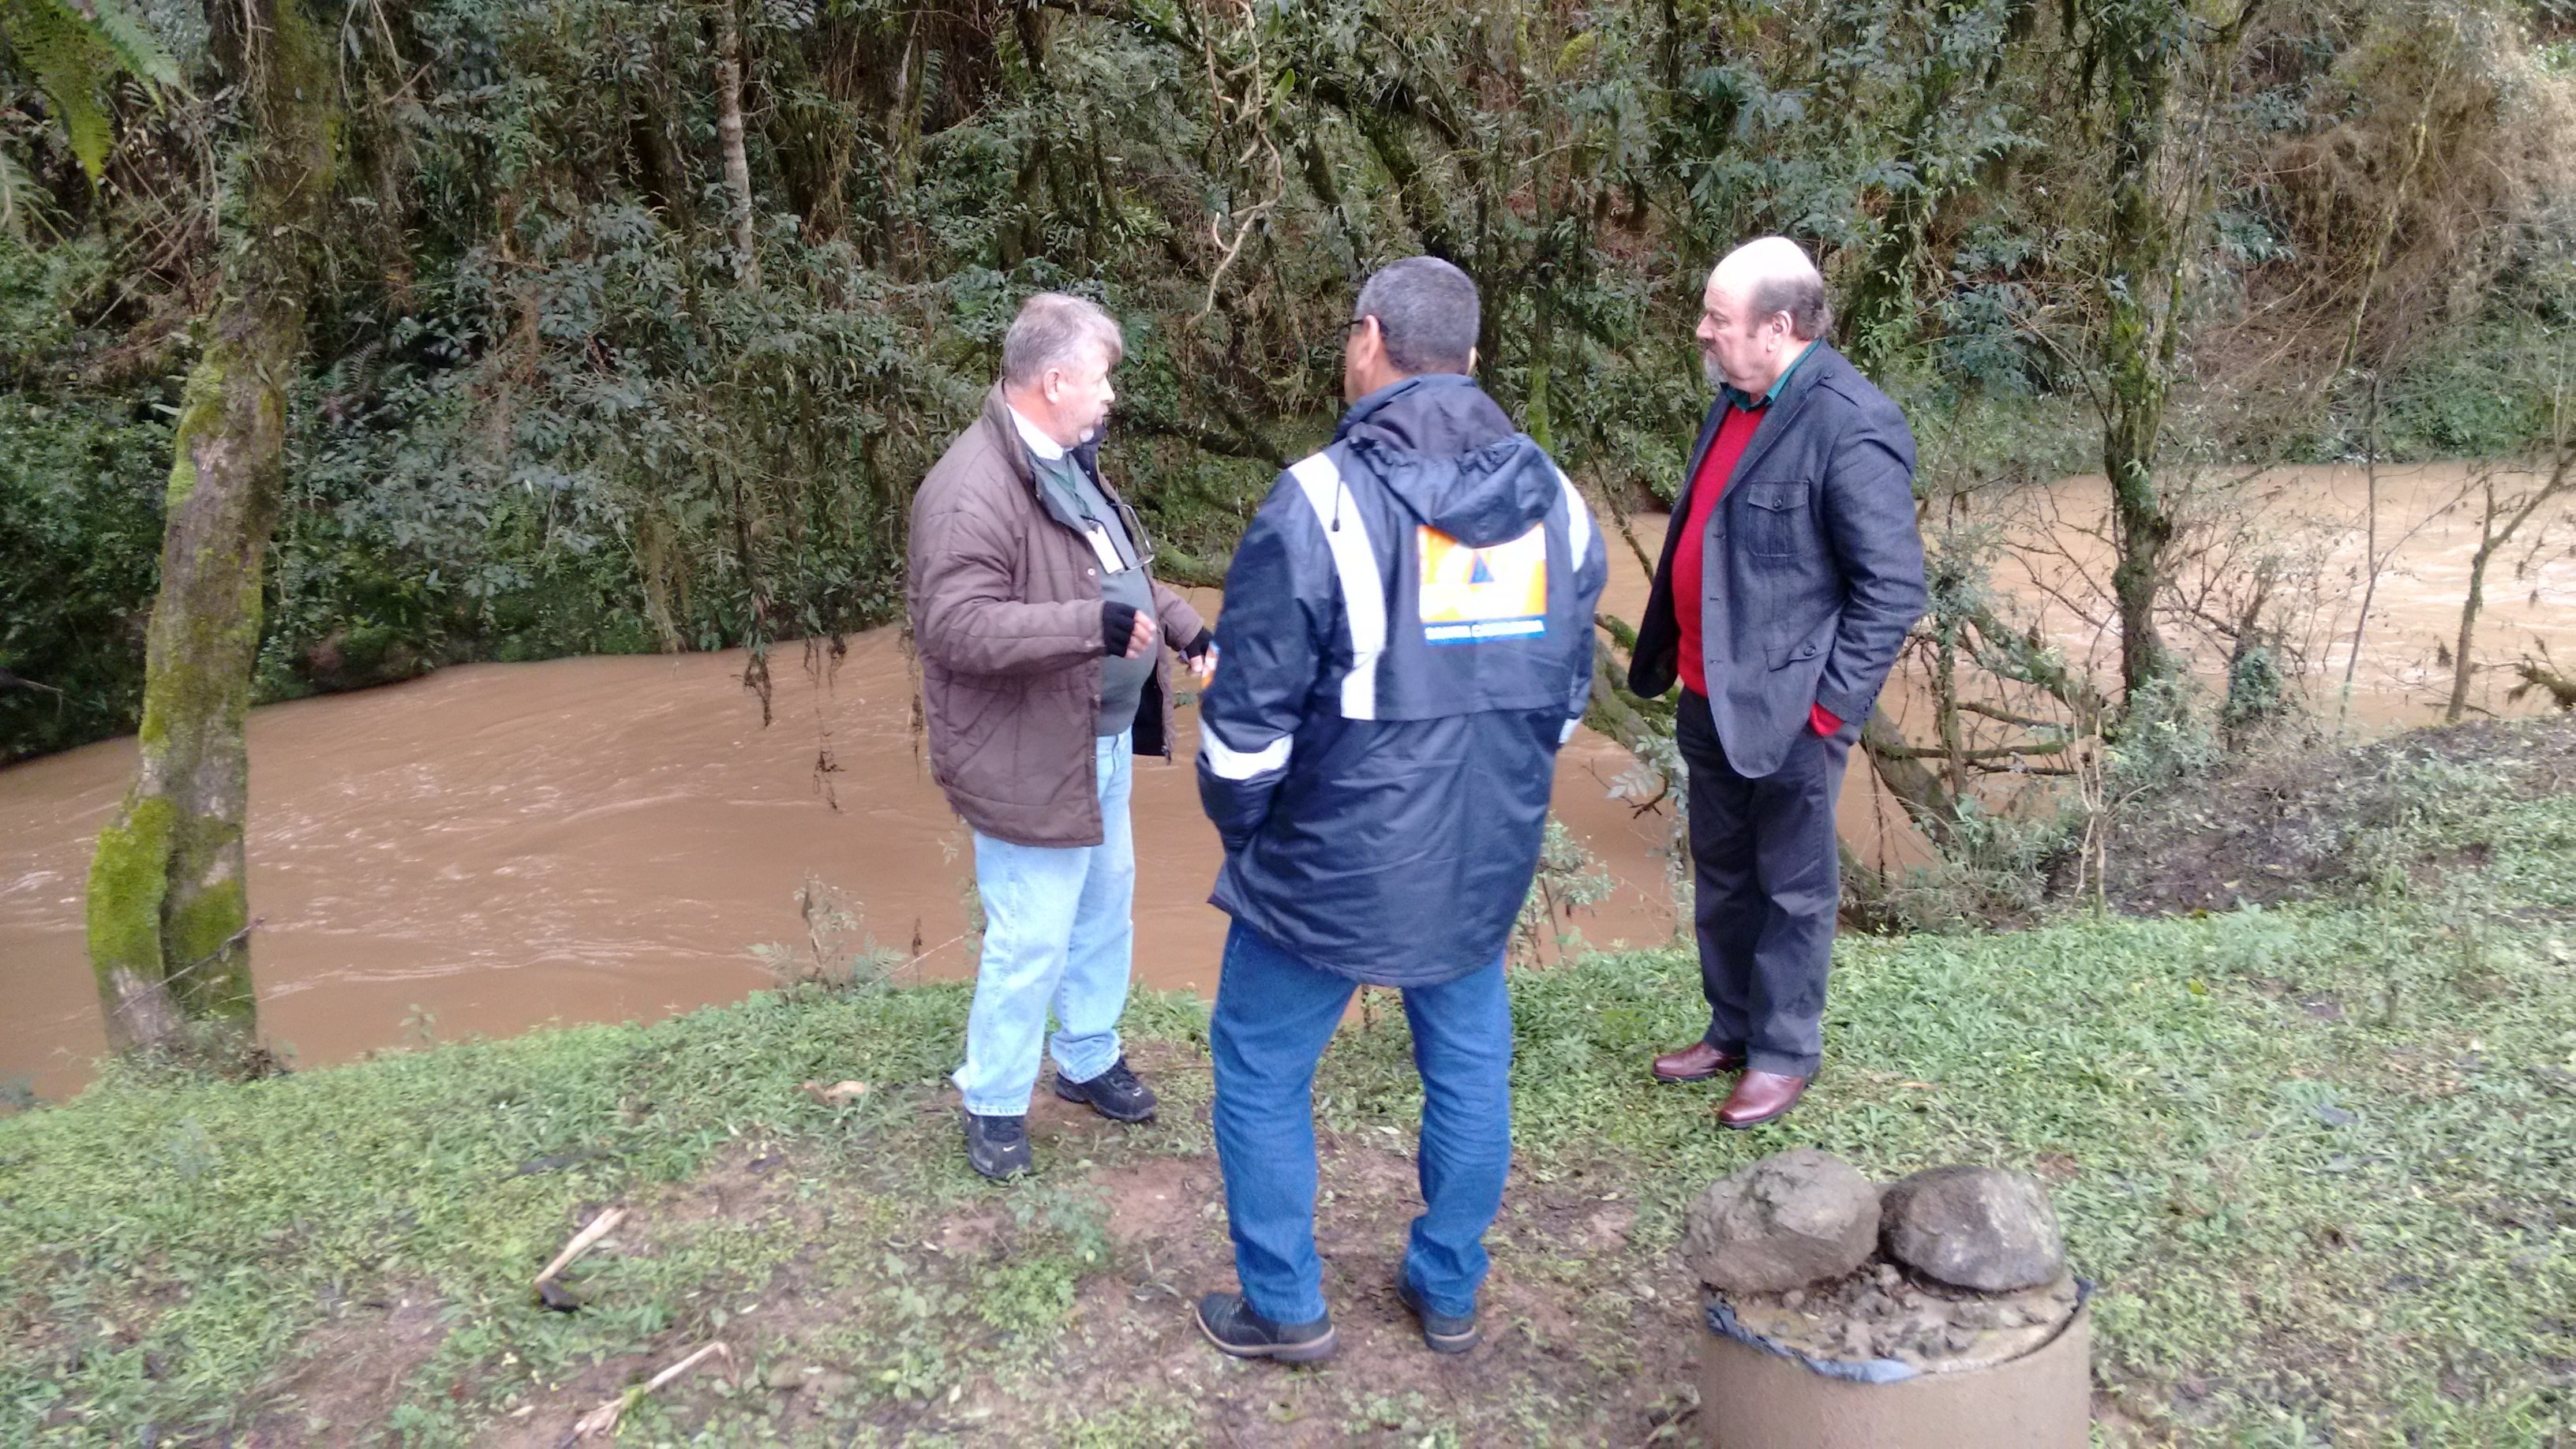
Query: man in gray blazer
(1790, 575)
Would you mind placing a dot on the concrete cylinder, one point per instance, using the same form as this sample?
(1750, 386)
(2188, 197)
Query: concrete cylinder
(1752, 1398)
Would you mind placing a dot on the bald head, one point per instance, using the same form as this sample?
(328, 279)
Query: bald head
(1772, 274)
(1765, 302)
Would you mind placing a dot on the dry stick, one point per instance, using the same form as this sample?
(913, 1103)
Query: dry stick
(2370, 558)
(600, 1227)
(603, 1420)
(2370, 445)
(2491, 539)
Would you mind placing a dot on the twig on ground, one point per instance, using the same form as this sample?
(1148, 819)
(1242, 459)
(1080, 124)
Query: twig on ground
(598, 1228)
(840, 1094)
(603, 1420)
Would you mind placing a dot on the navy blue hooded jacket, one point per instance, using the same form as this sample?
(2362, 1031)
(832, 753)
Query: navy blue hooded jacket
(1406, 640)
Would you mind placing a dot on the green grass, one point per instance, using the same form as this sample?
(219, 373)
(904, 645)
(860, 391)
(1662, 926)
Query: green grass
(2322, 1162)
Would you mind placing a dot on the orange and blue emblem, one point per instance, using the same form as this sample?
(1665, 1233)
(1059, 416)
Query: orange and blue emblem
(1470, 595)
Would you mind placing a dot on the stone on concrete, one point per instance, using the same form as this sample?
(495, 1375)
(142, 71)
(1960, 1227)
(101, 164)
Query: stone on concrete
(1974, 1227)
(1786, 1221)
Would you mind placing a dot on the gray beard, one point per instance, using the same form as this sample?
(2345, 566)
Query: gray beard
(1709, 369)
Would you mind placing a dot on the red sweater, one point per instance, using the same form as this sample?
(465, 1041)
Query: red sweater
(1725, 450)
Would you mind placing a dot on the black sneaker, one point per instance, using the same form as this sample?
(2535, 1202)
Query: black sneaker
(1235, 1329)
(1444, 1333)
(1115, 1094)
(998, 1147)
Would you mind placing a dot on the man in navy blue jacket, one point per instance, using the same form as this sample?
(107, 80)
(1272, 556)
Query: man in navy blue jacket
(1790, 575)
(1406, 641)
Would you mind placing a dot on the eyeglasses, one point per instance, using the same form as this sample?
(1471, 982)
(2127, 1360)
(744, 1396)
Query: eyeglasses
(1356, 323)
(1134, 523)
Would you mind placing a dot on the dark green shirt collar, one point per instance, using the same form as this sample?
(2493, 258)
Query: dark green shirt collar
(1736, 397)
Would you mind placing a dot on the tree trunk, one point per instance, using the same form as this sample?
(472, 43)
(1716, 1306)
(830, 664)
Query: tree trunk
(2133, 46)
(1900, 768)
(2370, 559)
(737, 162)
(2469, 621)
(168, 912)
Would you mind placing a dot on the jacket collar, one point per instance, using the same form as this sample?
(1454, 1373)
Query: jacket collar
(999, 417)
(1006, 424)
(1789, 398)
(1738, 397)
(1378, 401)
(1041, 447)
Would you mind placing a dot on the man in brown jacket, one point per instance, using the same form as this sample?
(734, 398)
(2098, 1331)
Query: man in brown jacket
(1039, 626)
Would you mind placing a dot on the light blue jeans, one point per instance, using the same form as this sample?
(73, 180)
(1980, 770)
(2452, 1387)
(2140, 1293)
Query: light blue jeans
(1060, 933)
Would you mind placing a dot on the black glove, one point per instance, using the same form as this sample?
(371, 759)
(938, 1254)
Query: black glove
(1117, 628)
(1200, 645)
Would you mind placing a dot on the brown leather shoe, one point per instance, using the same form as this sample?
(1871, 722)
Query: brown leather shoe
(1696, 1063)
(1760, 1097)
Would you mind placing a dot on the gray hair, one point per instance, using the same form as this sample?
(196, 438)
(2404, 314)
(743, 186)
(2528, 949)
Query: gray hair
(1802, 297)
(1053, 330)
(1427, 311)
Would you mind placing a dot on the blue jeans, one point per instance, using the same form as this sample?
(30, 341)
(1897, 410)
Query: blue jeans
(1060, 932)
(1274, 1013)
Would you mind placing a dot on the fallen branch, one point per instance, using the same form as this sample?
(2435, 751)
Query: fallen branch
(840, 1094)
(598, 1228)
(603, 1420)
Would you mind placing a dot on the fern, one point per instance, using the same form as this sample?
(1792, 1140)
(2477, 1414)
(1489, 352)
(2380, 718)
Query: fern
(74, 56)
(15, 196)
(138, 53)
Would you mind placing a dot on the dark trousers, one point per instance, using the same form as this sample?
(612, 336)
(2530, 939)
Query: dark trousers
(1768, 882)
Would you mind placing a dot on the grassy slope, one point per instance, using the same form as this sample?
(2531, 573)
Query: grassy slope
(2320, 1159)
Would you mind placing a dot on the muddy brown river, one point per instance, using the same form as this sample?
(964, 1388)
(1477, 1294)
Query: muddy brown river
(497, 846)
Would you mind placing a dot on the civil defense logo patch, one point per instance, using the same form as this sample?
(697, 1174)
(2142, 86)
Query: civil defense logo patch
(1473, 594)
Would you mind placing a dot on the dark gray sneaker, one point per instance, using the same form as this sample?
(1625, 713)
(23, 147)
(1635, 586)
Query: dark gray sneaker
(1115, 1094)
(1442, 1332)
(997, 1147)
(1235, 1329)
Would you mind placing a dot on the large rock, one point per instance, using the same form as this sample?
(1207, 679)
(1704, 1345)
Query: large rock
(1782, 1223)
(1974, 1227)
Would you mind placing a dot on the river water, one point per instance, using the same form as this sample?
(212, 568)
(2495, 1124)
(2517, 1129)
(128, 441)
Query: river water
(497, 846)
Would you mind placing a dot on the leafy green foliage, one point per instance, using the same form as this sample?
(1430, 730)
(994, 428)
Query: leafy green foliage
(80, 523)
(75, 54)
(543, 412)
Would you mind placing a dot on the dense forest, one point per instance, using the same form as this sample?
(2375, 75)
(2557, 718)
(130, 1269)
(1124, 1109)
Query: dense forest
(632, 323)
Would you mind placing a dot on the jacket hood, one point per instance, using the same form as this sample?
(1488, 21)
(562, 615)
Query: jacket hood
(1448, 453)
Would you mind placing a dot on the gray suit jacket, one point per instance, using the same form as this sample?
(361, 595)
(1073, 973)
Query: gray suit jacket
(1812, 566)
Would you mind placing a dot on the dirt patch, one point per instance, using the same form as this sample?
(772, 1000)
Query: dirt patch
(2309, 826)
(1576, 1336)
(1158, 1200)
(350, 1374)
(1566, 1329)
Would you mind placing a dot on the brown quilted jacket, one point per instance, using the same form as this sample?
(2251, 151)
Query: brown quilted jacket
(1005, 603)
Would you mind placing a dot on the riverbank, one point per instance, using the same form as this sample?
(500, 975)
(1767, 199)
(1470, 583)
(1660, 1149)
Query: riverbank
(493, 847)
(2315, 1155)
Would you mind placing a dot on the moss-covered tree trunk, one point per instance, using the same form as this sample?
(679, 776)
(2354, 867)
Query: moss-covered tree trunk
(169, 918)
(2137, 52)
(2133, 50)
